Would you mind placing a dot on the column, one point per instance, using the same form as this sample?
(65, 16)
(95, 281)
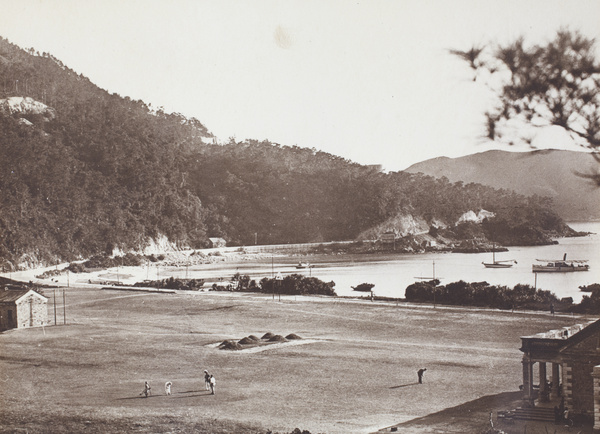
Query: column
(527, 380)
(567, 384)
(544, 392)
(555, 381)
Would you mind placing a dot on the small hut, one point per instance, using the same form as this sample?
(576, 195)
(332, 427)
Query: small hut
(218, 242)
(21, 308)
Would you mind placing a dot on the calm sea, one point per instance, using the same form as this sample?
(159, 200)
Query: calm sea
(392, 274)
(392, 277)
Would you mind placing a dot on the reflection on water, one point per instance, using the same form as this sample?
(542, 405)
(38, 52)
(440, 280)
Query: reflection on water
(393, 275)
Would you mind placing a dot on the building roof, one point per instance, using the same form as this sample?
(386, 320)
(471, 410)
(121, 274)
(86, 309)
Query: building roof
(13, 295)
(554, 341)
(563, 333)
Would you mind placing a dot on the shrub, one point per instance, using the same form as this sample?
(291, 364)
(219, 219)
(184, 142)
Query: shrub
(243, 282)
(480, 294)
(173, 283)
(131, 260)
(590, 288)
(75, 267)
(420, 291)
(589, 304)
(99, 261)
(296, 284)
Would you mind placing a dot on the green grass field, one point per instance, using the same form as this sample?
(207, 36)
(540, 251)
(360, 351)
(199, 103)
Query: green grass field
(358, 373)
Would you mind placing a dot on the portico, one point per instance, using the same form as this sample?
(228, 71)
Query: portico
(565, 360)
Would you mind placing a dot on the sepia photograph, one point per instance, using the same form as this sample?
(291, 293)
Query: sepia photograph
(300, 217)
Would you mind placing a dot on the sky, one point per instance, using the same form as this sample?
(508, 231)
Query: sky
(370, 81)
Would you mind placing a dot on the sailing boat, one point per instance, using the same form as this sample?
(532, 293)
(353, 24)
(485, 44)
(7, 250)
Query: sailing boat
(432, 278)
(507, 263)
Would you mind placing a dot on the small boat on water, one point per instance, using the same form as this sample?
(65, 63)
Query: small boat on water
(363, 287)
(506, 263)
(560, 266)
(302, 265)
(432, 279)
(500, 264)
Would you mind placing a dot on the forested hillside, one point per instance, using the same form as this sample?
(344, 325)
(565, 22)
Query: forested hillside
(85, 171)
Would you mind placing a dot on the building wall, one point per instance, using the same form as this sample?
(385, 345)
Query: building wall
(32, 312)
(596, 376)
(580, 362)
(582, 387)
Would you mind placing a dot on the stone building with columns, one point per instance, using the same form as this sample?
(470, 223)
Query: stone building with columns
(566, 364)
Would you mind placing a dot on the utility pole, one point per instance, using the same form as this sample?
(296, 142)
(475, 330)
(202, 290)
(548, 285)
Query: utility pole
(433, 284)
(278, 281)
(54, 306)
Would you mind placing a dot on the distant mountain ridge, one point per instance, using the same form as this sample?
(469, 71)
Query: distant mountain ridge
(551, 173)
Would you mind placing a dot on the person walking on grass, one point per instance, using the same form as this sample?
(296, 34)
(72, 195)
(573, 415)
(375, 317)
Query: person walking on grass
(213, 384)
(206, 380)
(420, 373)
(146, 390)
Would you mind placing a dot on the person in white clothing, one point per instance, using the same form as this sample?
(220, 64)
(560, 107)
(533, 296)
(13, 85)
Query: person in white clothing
(213, 385)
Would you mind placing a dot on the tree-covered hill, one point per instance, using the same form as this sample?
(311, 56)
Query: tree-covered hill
(85, 171)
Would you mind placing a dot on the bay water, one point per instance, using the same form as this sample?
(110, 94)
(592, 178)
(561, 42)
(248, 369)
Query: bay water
(391, 274)
(391, 277)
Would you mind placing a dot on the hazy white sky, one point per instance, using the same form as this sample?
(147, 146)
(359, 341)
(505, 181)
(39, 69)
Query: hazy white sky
(371, 81)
